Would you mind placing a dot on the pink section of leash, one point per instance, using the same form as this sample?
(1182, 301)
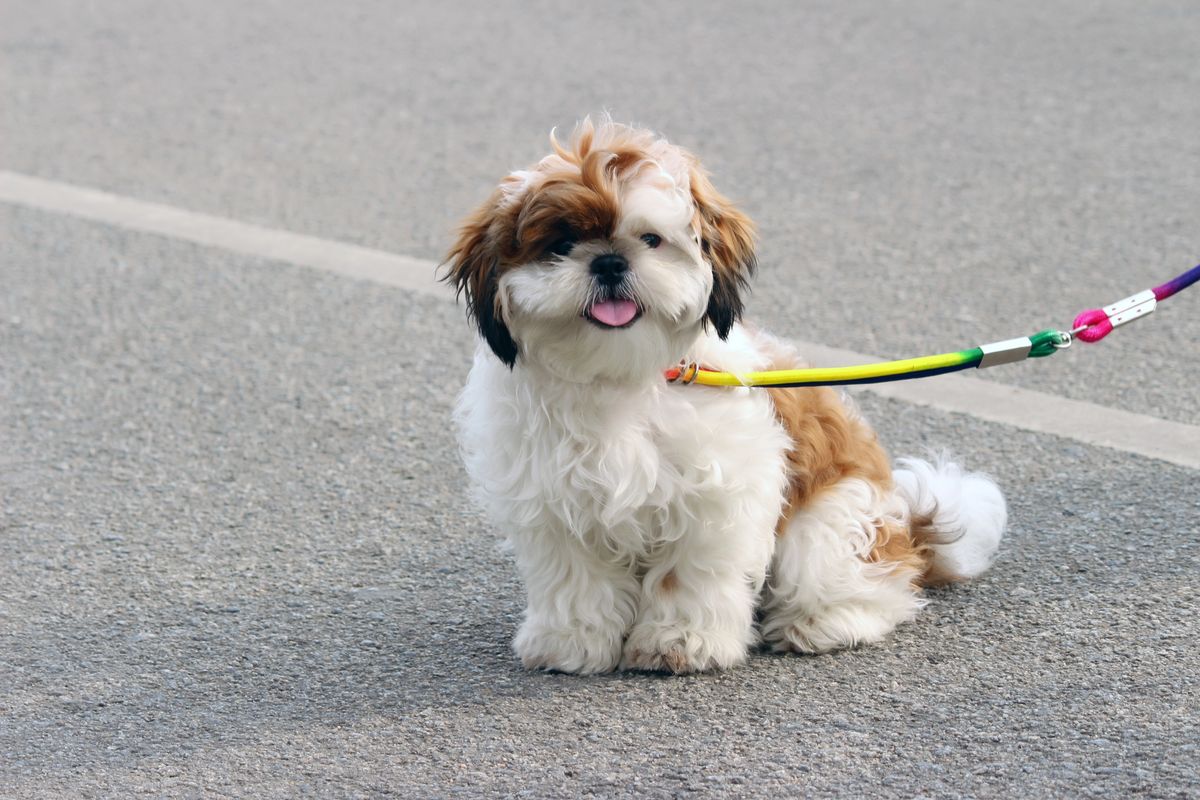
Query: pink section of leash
(1096, 323)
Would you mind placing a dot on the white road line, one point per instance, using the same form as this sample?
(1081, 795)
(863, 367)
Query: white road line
(240, 237)
(1033, 411)
(1020, 408)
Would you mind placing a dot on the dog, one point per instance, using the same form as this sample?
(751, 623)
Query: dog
(670, 527)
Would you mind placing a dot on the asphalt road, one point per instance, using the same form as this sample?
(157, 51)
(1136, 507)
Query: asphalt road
(236, 557)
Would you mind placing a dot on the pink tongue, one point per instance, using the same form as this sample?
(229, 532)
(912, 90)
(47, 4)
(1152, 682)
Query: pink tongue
(613, 312)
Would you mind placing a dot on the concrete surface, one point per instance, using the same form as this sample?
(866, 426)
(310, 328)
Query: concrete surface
(235, 554)
(926, 177)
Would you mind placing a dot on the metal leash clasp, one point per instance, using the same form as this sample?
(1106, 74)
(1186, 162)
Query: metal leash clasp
(687, 374)
(1131, 308)
(1096, 323)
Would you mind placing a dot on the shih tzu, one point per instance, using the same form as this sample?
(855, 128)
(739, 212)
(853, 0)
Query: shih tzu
(671, 527)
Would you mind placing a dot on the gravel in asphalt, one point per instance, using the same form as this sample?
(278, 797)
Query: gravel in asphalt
(926, 178)
(238, 559)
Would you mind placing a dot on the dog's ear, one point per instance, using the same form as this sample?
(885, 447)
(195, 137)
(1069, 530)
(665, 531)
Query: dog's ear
(473, 268)
(727, 238)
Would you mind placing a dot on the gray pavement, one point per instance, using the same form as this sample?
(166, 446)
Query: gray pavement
(926, 177)
(235, 553)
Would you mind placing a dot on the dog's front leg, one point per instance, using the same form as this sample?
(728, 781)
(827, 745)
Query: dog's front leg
(579, 606)
(696, 610)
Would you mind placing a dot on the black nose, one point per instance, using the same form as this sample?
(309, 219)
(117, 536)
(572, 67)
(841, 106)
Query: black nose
(609, 268)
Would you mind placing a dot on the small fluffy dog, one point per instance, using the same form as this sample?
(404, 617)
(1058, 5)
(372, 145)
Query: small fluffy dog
(651, 520)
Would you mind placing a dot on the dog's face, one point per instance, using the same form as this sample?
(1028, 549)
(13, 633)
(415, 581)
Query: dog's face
(605, 259)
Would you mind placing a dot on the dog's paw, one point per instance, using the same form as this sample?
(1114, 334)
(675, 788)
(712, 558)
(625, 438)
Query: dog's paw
(835, 628)
(583, 650)
(657, 649)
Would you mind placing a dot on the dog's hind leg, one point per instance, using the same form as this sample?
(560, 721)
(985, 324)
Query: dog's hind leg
(849, 564)
(845, 571)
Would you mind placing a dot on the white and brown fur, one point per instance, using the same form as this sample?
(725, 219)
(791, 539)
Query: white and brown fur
(651, 521)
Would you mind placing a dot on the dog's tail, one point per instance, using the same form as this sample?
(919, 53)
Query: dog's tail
(957, 517)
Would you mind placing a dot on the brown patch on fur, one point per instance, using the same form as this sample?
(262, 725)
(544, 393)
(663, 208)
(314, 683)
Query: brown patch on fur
(727, 238)
(669, 582)
(829, 445)
(898, 544)
(677, 662)
(926, 536)
(579, 202)
(726, 234)
(475, 262)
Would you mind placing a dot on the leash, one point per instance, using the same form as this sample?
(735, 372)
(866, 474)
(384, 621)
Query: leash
(1089, 326)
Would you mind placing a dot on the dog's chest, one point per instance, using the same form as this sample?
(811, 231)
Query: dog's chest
(611, 467)
(629, 472)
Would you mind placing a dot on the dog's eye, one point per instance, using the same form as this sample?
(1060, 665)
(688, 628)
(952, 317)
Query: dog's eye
(652, 240)
(563, 246)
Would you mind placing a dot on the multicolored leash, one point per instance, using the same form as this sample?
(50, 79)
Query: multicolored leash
(1090, 326)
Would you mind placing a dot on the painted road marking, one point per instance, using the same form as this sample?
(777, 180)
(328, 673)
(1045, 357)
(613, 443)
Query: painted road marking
(995, 402)
(227, 234)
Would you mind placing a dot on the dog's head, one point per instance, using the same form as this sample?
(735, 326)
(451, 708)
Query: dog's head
(605, 259)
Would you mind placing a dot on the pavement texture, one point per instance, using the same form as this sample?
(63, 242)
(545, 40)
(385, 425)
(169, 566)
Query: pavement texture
(926, 178)
(236, 555)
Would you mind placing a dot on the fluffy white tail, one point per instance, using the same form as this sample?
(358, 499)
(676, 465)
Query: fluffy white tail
(966, 515)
